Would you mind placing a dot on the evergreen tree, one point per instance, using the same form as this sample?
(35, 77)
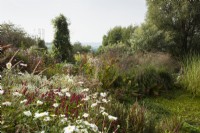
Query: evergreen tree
(61, 44)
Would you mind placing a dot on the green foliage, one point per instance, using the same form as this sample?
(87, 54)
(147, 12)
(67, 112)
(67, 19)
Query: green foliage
(41, 44)
(152, 81)
(180, 19)
(191, 74)
(79, 48)
(177, 105)
(132, 118)
(118, 34)
(171, 125)
(61, 44)
(189, 128)
(148, 37)
(55, 69)
(10, 33)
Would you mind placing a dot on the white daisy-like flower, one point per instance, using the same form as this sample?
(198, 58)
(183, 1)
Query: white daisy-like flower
(69, 129)
(6, 103)
(85, 90)
(65, 90)
(22, 64)
(20, 73)
(68, 94)
(86, 98)
(8, 65)
(83, 131)
(39, 102)
(105, 100)
(53, 115)
(63, 120)
(62, 115)
(27, 113)
(103, 94)
(94, 105)
(17, 94)
(38, 115)
(70, 80)
(112, 118)
(102, 108)
(79, 121)
(86, 123)
(94, 127)
(104, 114)
(55, 105)
(95, 95)
(58, 93)
(81, 83)
(42, 132)
(24, 101)
(85, 115)
(47, 118)
(1, 92)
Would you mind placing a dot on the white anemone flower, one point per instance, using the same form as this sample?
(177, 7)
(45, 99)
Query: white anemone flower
(63, 120)
(1, 92)
(24, 101)
(47, 118)
(105, 100)
(94, 105)
(103, 94)
(6, 103)
(69, 129)
(68, 94)
(38, 115)
(22, 64)
(27, 113)
(59, 94)
(104, 114)
(39, 102)
(94, 127)
(112, 118)
(55, 105)
(17, 94)
(65, 90)
(85, 115)
(85, 90)
(86, 98)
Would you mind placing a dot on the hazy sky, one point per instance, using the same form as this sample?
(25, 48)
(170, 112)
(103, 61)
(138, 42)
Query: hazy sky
(90, 19)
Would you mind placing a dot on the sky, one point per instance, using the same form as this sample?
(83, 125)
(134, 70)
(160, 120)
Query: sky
(89, 19)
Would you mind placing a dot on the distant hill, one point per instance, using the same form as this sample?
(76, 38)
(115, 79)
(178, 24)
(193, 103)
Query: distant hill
(94, 45)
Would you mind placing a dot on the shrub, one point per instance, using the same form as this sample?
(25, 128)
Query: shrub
(191, 75)
(152, 81)
(10, 33)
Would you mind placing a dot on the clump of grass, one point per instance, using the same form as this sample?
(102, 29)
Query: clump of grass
(172, 125)
(133, 118)
(191, 75)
